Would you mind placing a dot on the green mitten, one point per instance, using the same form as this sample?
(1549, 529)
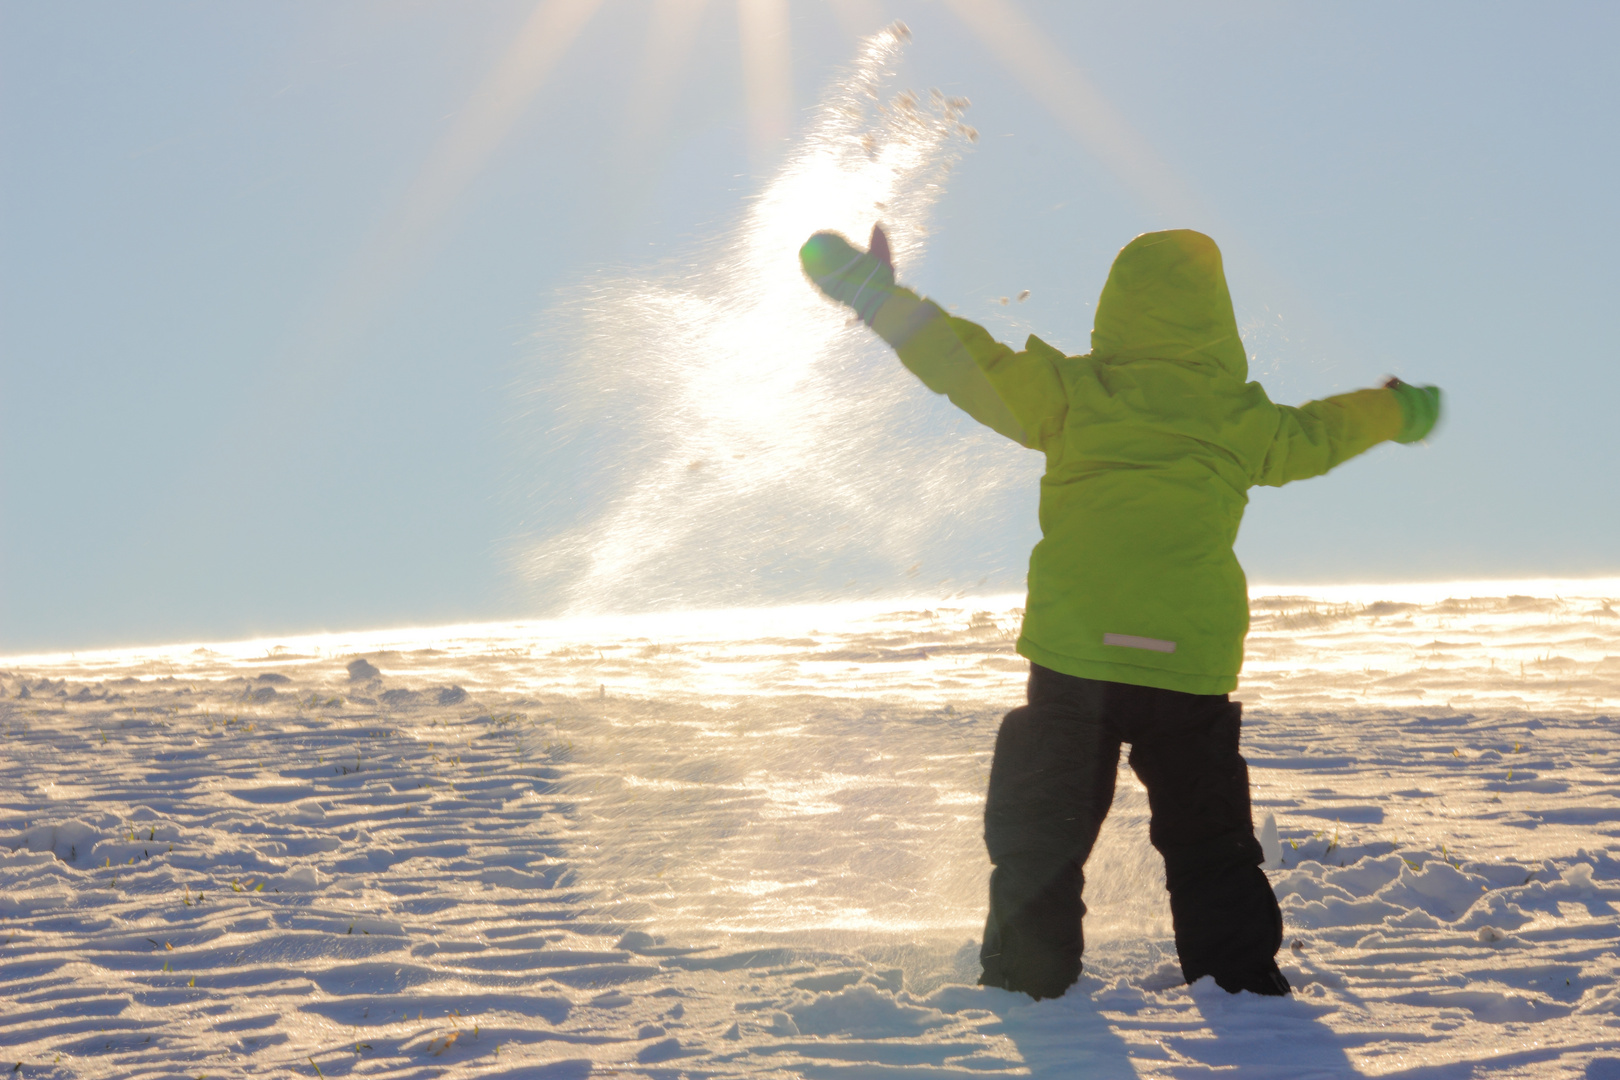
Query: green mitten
(1420, 409)
(861, 279)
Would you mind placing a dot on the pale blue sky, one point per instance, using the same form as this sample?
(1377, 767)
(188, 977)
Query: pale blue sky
(257, 355)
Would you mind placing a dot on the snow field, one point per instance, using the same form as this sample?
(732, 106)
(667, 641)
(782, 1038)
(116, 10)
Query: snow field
(747, 843)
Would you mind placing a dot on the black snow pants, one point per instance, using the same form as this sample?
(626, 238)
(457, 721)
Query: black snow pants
(1051, 785)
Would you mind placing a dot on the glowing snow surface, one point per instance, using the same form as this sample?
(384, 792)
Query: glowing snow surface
(747, 842)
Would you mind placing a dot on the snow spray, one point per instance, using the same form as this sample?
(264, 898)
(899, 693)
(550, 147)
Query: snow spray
(717, 434)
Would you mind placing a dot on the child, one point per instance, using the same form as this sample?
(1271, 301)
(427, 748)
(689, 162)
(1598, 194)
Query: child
(1137, 606)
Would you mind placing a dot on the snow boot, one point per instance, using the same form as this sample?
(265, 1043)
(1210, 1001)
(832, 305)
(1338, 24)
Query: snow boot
(1032, 938)
(1267, 982)
(1051, 783)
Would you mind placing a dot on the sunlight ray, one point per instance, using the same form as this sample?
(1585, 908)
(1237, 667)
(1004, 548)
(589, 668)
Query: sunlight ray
(671, 33)
(397, 248)
(767, 60)
(1089, 117)
(1077, 104)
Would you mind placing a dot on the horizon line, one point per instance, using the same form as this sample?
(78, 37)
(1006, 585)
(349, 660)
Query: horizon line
(389, 638)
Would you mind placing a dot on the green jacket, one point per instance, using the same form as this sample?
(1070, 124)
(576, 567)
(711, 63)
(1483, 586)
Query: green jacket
(1152, 441)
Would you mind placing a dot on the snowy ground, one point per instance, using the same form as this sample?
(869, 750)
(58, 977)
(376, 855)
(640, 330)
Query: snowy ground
(747, 843)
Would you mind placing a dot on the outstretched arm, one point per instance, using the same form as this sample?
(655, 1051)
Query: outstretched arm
(981, 375)
(934, 350)
(1313, 438)
(951, 356)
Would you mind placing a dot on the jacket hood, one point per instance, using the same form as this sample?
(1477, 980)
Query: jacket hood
(1166, 299)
